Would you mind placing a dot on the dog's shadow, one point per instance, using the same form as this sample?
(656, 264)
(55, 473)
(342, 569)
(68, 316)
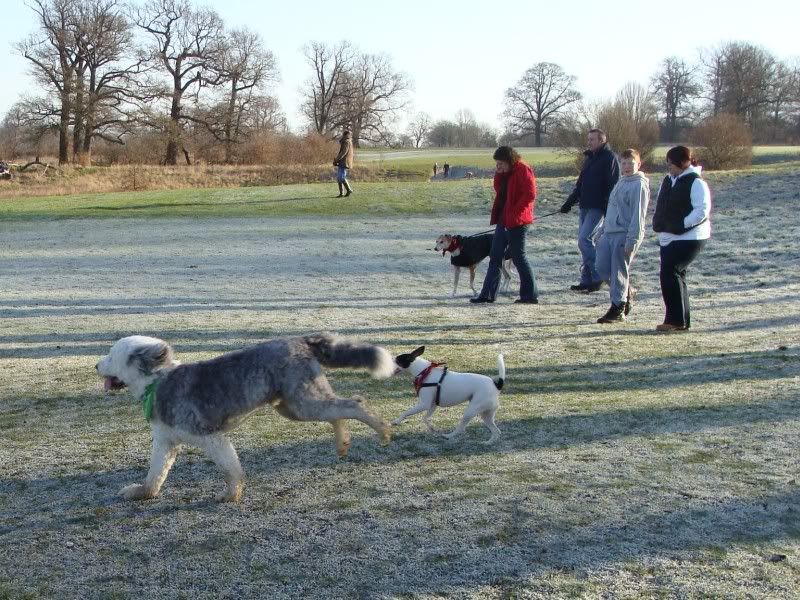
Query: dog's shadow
(56, 502)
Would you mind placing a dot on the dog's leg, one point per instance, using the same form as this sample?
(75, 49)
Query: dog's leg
(223, 453)
(472, 269)
(418, 408)
(161, 460)
(315, 403)
(472, 411)
(456, 274)
(342, 437)
(427, 418)
(488, 419)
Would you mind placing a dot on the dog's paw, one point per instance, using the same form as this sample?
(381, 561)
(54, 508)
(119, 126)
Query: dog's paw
(386, 435)
(231, 494)
(342, 448)
(396, 422)
(135, 491)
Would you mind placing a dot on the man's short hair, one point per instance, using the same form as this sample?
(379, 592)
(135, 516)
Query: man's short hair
(600, 133)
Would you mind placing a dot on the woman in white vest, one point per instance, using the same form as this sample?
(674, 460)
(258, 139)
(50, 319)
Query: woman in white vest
(682, 222)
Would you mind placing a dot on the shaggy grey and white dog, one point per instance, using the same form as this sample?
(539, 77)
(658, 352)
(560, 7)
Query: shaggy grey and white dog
(197, 403)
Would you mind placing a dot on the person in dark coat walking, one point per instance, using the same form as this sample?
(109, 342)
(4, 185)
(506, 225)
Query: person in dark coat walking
(599, 175)
(343, 163)
(512, 213)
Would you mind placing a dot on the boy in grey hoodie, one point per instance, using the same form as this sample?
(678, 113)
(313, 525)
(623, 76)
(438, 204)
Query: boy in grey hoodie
(622, 234)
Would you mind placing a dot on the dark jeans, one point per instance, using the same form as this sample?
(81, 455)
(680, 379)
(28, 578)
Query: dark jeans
(515, 240)
(675, 258)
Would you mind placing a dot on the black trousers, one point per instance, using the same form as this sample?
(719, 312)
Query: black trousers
(675, 258)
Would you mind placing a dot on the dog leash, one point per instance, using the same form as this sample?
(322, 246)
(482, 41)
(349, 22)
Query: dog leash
(492, 230)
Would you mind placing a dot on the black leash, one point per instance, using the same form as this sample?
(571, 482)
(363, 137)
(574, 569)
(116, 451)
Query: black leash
(557, 212)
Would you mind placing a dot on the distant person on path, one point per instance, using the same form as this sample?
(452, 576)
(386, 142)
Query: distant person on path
(435, 169)
(599, 174)
(512, 213)
(343, 162)
(682, 222)
(623, 230)
(446, 169)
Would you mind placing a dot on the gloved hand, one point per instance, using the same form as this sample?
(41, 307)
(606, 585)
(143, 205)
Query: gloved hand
(335, 163)
(571, 200)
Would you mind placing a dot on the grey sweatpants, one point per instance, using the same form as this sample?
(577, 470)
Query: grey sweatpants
(613, 266)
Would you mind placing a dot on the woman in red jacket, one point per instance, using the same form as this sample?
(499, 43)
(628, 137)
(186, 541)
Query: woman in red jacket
(512, 212)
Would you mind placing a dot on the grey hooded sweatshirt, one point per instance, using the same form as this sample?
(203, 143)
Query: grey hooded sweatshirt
(627, 208)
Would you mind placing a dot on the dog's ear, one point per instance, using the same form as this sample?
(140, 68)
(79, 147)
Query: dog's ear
(418, 352)
(150, 358)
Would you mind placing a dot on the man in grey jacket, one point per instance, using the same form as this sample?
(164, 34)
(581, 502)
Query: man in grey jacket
(622, 235)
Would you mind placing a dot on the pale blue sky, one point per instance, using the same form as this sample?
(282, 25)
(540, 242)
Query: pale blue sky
(465, 54)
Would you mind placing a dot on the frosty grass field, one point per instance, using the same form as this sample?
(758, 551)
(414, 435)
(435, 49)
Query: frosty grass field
(631, 465)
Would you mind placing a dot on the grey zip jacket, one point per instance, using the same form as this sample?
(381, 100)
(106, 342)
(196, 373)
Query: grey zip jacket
(627, 208)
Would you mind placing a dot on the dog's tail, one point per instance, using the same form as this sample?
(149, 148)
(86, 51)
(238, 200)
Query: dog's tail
(501, 371)
(333, 351)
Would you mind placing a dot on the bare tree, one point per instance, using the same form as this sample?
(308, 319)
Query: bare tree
(674, 87)
(244, 67)
(419, 128)
(784, 91)
(265, 114)
(737, 78)
(107, 74)
(53, 55)
(630, 120)
(748, 74)
(373, 94)
(184, 42)
(323, 96)
(538, 98)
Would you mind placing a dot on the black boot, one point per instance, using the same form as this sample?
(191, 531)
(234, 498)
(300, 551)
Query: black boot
(341, 190)
(594, 286)
(347, 187)
(614, 314)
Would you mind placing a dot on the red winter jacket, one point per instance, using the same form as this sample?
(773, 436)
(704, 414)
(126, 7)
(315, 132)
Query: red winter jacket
(520, 197)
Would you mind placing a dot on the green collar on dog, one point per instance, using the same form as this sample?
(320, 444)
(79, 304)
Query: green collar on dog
(149, 399)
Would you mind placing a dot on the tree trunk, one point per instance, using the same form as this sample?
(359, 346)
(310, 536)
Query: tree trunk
(229, 123)
(63, 131)
(78, 112)
(88, 120)
(174, 126)
(537, 133)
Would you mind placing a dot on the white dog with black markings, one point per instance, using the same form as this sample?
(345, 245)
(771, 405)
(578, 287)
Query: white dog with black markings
(437, 386)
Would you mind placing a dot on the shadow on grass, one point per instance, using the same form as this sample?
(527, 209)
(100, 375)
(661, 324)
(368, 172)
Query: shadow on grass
(533, 540)
(519, 435)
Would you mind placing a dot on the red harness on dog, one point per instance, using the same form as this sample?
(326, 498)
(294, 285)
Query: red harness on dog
(454, 245)
(419, 380)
